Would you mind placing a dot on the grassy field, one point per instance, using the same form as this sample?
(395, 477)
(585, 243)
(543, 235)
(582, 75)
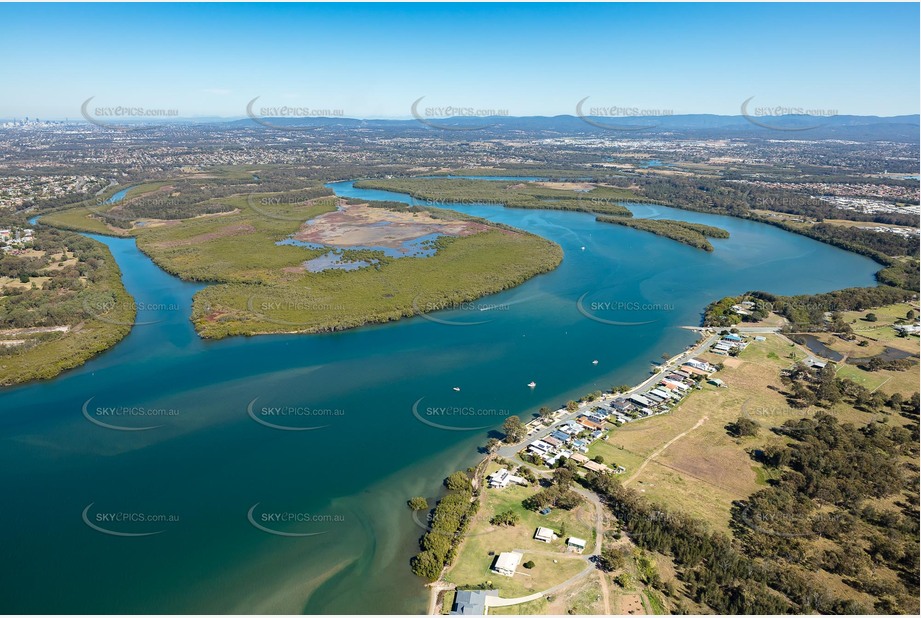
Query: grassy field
(703, 472)
(553, 563)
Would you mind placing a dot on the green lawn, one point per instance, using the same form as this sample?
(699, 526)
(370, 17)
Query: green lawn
(553, 565)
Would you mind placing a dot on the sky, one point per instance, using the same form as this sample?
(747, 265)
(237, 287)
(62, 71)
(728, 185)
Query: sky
(375, 60)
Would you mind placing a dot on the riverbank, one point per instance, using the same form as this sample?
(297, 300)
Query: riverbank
(692, 467)
(76, 290)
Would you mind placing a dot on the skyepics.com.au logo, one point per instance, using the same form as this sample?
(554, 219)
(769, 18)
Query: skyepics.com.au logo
(127, 523)
(784, 117)
(775, 414)
(124, 418)
(604, 306)
(274, 117)
(455, 117)
(291, 524)
(266, 309)
(456, 417)
(292, 418)
(108, 309)
(612, 117)
(124, 117)
(425, 309)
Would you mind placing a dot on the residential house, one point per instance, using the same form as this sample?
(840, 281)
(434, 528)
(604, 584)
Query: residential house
(471, 602)
(501, 479)
(594, 466)
(507, 563)
(544, 535)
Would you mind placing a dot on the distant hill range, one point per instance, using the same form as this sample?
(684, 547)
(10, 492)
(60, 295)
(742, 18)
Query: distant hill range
(701, 126)
(896, 128)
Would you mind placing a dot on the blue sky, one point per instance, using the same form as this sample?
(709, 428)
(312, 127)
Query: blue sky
(374, 60)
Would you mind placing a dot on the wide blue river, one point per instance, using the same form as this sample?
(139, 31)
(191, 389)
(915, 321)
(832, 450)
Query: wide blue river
(184, 514)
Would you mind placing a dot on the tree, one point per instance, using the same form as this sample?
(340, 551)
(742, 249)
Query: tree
(610, 560)
(492, 445)
(458, 481)
(911, 314)
(742, 427)
(598, 459)
(529, 564)
(426, 565)
(418, 503)
(871, 317)
(572, 406)
(505, 518)
(563, 477)
(514, 430)
(545, 413)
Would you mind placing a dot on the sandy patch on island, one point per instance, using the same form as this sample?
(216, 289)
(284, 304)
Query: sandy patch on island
(359, 225)
(567, 186)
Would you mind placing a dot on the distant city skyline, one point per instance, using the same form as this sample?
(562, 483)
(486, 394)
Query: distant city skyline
(375, 61)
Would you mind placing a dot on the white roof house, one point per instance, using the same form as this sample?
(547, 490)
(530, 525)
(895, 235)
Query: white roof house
(502, 478)
(544, 535)
(576, 543)
(507, 563)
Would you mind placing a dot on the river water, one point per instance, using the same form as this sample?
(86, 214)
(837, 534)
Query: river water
(209, 486)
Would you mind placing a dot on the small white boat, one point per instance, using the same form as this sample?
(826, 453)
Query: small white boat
(594, 362)
(583, 248)
(457, 388)
(532, 384)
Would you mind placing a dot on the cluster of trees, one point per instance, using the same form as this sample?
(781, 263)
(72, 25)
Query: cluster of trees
(741, 200)
(511, 194)
(831, 507)
(878, 363)
(716, 574)
(807, 311)
(888, 244)
(449, 521)
(692, 234)
(821, 387)
(64, 298)
(738, 199)
(901, 274)
(558, 495)
(505, 518)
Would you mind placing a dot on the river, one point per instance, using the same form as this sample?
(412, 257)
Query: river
(202, 481)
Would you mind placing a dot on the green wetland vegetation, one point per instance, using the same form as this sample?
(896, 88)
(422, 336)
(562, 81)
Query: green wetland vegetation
(511, 194)
(692, 234)
(262, 287)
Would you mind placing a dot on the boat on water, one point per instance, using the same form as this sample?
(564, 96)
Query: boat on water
(532, 384)
(594, 362)
(457, 388)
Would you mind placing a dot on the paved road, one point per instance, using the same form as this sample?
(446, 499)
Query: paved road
(500, 602)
